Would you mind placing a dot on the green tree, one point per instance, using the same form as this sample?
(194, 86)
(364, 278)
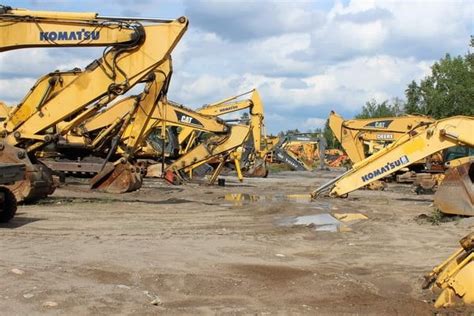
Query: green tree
(447, 91)
(373, 109)
(331, 140)
(412, 93)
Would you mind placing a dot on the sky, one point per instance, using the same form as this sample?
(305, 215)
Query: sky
(306, 58)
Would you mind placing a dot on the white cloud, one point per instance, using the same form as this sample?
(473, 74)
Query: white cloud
(313, 123)
(13, 90)
(304, 57)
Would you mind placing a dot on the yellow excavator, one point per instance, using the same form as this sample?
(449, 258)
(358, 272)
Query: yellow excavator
(298, 151)
(135, 48)
(253, 152)
(454, 278)
(97, 135)
(132, 118)
(224, 148)
(362, 137)
(413, 146)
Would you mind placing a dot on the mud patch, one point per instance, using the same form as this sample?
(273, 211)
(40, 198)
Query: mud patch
(106, 200)
(105, 276)
(269, 273)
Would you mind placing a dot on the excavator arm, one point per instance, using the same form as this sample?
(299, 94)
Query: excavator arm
(415, 145)
(353, 133)
(230, 105)
(59, 97)
(114, 74)
(216, 146)
(151, 109)
(20, 28)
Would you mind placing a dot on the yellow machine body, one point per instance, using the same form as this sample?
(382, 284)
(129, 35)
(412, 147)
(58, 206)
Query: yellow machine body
(418, 144)
(453, 280)
(135, 51)
(361, 136)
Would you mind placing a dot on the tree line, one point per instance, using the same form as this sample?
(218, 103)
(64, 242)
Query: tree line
(447, 91)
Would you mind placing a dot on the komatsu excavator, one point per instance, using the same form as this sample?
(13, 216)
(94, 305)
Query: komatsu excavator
(458, 185)
(135, 48)
(453, 280)
(361, 138)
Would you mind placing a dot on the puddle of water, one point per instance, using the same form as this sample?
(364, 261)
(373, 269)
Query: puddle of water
(320, 219)
(245, 197)
(321, 222)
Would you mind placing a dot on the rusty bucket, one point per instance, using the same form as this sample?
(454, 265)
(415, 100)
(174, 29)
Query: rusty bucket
(118, 178)
(455, 195)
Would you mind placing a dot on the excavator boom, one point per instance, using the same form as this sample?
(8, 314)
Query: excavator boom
(415, 145)
(21, 28)
(353, 133)
(114, 74)
(136, 50)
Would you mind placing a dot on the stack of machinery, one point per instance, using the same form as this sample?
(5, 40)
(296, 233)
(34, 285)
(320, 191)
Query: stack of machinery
(73, 122)
(82, 121)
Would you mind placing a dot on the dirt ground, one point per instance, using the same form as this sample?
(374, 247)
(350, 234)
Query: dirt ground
(188, 250)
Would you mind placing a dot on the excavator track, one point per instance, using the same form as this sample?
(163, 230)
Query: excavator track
(38, 182)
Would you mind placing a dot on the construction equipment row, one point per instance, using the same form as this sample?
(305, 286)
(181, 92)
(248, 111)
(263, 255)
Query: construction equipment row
(82, 120)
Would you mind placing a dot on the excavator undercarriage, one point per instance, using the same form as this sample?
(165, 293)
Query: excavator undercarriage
(37, 182)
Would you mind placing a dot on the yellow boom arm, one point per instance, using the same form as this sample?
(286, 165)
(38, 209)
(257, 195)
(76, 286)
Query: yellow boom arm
(229, 105)
(20, 28)
(103, 80)
(151, 110)
(217, 145)
(415, 145)
(353, 133)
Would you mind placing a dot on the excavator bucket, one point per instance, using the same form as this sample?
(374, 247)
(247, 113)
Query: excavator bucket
(257, 170)
(38, 182)
(453, 280)
(455, 195)
(118, 178)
